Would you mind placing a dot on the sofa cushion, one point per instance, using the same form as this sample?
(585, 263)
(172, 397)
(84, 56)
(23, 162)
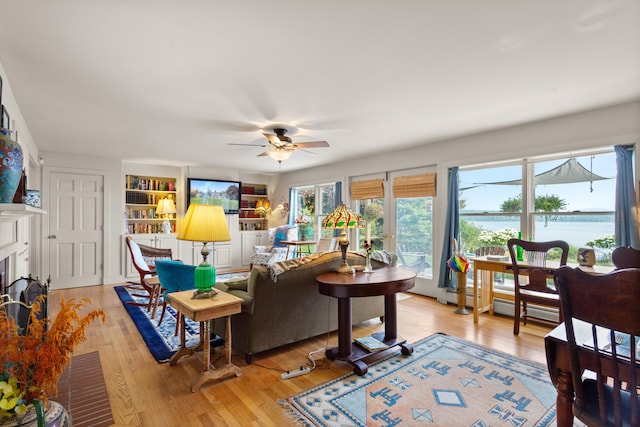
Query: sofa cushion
(237, 283)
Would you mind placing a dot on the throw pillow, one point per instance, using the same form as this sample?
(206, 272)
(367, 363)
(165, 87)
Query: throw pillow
(238, 283)
(281, 234)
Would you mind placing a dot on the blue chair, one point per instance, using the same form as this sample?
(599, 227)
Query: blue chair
(174, 276)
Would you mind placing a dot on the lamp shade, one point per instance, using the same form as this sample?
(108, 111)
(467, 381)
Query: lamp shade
(279, 154)
(343, 217)
(204, 223)
(166, 206)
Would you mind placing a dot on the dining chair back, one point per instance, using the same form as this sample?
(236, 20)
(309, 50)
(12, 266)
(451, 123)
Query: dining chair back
(175, 276)
(326, 244)
(609, 303)
(625, 257)
(538, 289)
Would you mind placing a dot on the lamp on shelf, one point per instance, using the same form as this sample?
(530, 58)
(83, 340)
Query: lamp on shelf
(342, 218)
(263, 207)
(166, 207)
(204, 223)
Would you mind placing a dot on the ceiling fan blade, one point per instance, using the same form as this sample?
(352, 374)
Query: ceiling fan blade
(247, 145)
(311, 144)
(273, 139)
(266, 153)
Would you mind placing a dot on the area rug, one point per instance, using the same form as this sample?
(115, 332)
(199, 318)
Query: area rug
(161, 340)
(447, 381)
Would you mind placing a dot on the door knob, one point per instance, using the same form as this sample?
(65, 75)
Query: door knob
(52, 236)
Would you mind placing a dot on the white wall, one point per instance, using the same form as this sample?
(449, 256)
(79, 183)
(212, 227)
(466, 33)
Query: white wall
(619, 124)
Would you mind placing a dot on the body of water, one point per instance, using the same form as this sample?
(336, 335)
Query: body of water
(573, 232)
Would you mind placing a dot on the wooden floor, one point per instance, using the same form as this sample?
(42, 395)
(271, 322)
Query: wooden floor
(143, 392)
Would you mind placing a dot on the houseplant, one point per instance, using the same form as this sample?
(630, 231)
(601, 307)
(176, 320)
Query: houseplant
(33, 358)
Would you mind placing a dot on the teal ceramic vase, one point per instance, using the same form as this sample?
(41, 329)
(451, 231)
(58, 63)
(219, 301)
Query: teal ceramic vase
(10, 167)
(55, 416)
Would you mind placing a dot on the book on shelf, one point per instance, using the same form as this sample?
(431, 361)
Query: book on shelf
(370, 343)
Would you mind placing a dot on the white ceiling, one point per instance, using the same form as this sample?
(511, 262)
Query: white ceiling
(174, 82)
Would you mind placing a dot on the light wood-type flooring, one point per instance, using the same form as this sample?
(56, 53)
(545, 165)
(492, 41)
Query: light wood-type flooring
(143, 392)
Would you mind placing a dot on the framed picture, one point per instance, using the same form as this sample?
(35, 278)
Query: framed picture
(5, 118)
(32, 198)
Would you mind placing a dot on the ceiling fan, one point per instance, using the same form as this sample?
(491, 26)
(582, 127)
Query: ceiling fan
(281, 147)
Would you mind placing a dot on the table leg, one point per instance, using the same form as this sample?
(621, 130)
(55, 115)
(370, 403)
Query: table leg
(210, 372)
(564, 401)
(183, 351)
(390, 317)
(344, 326)
(476, 272)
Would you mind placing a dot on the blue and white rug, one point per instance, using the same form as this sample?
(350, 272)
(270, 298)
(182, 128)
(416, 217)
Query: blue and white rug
(161, 340)
(447, 381)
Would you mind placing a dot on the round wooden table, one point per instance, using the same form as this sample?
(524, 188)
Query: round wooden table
(384, 281)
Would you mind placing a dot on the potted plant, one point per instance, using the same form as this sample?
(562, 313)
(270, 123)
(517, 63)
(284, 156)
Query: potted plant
(32, 359)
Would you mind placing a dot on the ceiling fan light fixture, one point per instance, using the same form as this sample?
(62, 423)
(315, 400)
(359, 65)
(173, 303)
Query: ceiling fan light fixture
(280, 155)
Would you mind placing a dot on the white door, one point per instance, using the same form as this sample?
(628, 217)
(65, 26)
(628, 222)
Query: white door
(75, 229)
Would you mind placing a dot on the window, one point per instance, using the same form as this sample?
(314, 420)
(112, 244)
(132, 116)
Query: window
(413, 200)
(566, 198)
(313, 202)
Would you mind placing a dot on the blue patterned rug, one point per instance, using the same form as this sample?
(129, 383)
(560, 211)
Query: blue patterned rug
(161, 340)
(447, 381)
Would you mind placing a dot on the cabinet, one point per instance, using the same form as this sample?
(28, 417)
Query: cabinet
(252, 196)
(190, 253)
(142, 194)
(249, 240)
(164, 241)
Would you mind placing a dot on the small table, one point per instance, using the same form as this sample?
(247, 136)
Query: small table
(299, 244)
(384, 281)
(483, 269)
(204, 311)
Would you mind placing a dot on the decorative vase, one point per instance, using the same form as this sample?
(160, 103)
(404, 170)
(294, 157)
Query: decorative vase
(55, 416)
(10, 168)
(367, 267)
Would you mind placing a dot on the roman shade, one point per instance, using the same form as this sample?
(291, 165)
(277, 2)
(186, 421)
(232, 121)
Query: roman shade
(371, 189)
(414, 186)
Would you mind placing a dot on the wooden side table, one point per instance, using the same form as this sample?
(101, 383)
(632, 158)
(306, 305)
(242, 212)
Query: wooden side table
(384, 281)
(204, 311)
(298, 244)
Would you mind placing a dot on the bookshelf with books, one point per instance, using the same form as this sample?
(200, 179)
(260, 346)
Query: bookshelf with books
(253, 196)
(142, 194)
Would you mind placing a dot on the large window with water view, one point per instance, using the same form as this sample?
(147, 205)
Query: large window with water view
(568, 198)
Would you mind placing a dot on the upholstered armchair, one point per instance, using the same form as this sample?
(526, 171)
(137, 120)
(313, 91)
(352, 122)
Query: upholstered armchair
(273, 251)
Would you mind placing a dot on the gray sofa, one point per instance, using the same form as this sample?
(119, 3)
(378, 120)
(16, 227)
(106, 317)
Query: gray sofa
(290, 309)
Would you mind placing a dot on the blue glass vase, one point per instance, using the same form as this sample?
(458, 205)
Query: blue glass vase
(10, 166)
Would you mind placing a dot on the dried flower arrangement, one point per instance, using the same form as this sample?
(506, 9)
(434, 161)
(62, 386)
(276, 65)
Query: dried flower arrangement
(32, 361)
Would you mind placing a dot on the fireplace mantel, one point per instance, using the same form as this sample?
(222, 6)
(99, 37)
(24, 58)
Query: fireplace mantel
(19, 209)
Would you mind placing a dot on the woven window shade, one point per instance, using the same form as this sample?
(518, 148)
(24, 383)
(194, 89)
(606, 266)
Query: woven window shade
(414, 186)
(373, 189)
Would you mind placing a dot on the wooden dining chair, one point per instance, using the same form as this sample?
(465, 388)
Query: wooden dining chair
(143, 260)
(625, 257)
(537, 289)
(607, 396)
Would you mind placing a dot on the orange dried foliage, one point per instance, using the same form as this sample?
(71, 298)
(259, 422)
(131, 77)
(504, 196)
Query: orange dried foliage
(38, 357)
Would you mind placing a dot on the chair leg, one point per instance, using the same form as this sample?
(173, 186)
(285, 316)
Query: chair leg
(516, 318)
(178, 320)
(524, 313)
(164, 308)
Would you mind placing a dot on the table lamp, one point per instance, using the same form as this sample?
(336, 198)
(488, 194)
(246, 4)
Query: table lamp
(166, 207)
(342, 217)
(204, 223)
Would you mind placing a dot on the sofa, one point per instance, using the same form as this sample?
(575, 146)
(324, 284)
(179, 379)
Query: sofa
(281, 303)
